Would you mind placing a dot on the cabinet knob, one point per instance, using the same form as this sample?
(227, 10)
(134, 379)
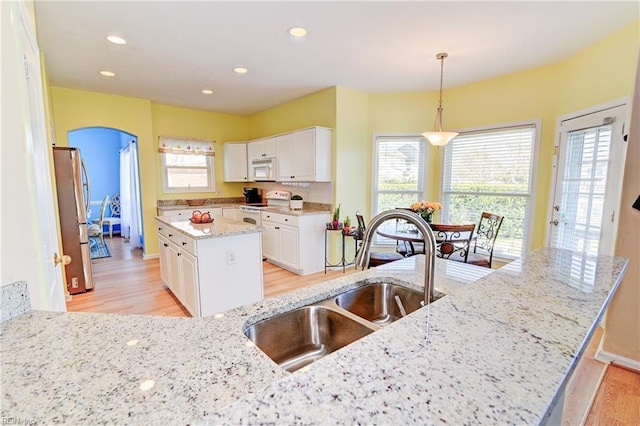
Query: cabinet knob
(178, 254)
(170, 235)
(159, 229)
(291, 177)
(277, 227)
(184, 244)
(165, 244)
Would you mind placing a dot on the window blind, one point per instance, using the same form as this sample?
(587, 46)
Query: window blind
(491, 170)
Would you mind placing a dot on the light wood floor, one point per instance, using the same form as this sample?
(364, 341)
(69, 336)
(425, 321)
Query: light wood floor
(126, 284)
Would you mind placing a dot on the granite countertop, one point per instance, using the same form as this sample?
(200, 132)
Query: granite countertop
(496, 349)
(220, 227)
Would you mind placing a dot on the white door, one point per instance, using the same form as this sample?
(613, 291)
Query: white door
(588, 182)
(38, 148)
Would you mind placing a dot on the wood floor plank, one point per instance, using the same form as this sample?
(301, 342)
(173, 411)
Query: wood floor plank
(126, 284)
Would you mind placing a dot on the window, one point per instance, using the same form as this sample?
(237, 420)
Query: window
(492, 170)
(187, 165)
(398, 175)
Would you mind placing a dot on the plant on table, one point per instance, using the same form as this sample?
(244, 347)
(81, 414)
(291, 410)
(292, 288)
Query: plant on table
(336, 218)
(426, 209)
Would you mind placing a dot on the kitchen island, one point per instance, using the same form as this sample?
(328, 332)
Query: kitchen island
(499, 347)
(210, 267)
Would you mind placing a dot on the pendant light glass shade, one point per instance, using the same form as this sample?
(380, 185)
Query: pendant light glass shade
(438, 137)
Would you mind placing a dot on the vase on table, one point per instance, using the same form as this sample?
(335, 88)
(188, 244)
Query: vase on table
(428, 217)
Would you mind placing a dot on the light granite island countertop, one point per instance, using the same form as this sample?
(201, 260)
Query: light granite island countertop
(498, 348)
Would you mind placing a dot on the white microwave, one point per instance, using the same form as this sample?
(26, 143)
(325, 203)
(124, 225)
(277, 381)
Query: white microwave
(263, 169)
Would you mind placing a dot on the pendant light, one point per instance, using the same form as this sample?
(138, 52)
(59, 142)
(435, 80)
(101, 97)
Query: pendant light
(437, 137)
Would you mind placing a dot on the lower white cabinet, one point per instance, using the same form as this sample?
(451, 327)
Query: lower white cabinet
(211, 275)
(294, 242)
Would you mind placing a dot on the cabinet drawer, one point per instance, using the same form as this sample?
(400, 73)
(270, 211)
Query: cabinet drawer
(164, 230)
(185, 213)
(187, 244)
(283, 219)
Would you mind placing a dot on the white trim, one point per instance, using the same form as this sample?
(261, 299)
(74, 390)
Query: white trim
(146, 256)
(611, 358)
(210, 170)
(625, 102)
(374, 165)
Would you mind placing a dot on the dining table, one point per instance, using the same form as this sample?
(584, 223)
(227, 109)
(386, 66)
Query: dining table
(412, 235)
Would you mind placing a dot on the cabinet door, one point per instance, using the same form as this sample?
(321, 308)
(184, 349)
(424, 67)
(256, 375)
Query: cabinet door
(269, 147)
(254, 150)
(303, 148)
(235, 162)
(286, 157)
(289, 249)
(165, 272)
(175, 279)
(270, 241)
(296, 156)
(190, 286)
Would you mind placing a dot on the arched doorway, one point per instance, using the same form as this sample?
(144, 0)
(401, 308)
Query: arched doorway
(111, 158)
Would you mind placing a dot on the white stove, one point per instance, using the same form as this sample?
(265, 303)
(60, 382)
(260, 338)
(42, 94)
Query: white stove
(275, 199)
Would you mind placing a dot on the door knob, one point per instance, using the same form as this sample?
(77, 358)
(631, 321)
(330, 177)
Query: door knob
(554, 222)
(65, 259)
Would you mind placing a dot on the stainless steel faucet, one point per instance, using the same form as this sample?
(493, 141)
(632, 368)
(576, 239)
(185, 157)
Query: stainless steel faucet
(429, 245)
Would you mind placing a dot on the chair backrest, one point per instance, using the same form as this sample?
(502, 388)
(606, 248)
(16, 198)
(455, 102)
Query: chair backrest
(453, 241)
(361, 227)
(488, 232)
(115, 205)
(103, 208)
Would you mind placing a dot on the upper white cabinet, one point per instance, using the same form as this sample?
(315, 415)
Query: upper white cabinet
(261, 148)
(235, 162)
(304, 155)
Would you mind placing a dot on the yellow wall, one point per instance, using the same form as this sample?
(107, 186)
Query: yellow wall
(76, 109)
(589, 78)
(191, 123)
(316, 109)
(352, 158)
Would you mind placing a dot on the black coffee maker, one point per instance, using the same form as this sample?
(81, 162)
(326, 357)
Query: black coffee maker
(252, 195)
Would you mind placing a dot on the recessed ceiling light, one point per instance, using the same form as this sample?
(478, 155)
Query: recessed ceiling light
(108, 73)
(297, 31)
(207, 91)
(116, 40)
(240, 70)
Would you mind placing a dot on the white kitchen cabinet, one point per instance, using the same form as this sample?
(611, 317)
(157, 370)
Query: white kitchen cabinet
(190, 285)
(163, 246)
(211, 275)
(304, 155)
(294, 242)
(235, 162)
(261, 148)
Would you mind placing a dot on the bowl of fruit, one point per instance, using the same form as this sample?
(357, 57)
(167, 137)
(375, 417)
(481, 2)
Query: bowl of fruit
(198, 217)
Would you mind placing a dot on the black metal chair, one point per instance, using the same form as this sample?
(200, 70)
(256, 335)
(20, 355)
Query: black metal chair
(487, 233)
(376, 258)
(453, 242)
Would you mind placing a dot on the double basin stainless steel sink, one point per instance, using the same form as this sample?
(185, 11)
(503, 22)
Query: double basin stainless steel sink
(301, 336)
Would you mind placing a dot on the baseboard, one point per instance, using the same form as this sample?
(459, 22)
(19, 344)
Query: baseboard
(611, 358)
(592, 399)
(146, 256)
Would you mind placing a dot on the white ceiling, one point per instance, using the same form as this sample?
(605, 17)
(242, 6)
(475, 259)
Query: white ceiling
(176, 49)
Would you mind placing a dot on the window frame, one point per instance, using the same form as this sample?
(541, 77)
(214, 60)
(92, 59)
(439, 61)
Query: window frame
(210, 168)
(422, 178)
(532, 187)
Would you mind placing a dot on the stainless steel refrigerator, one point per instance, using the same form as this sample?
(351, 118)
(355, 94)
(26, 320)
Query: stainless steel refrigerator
(72, 182)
